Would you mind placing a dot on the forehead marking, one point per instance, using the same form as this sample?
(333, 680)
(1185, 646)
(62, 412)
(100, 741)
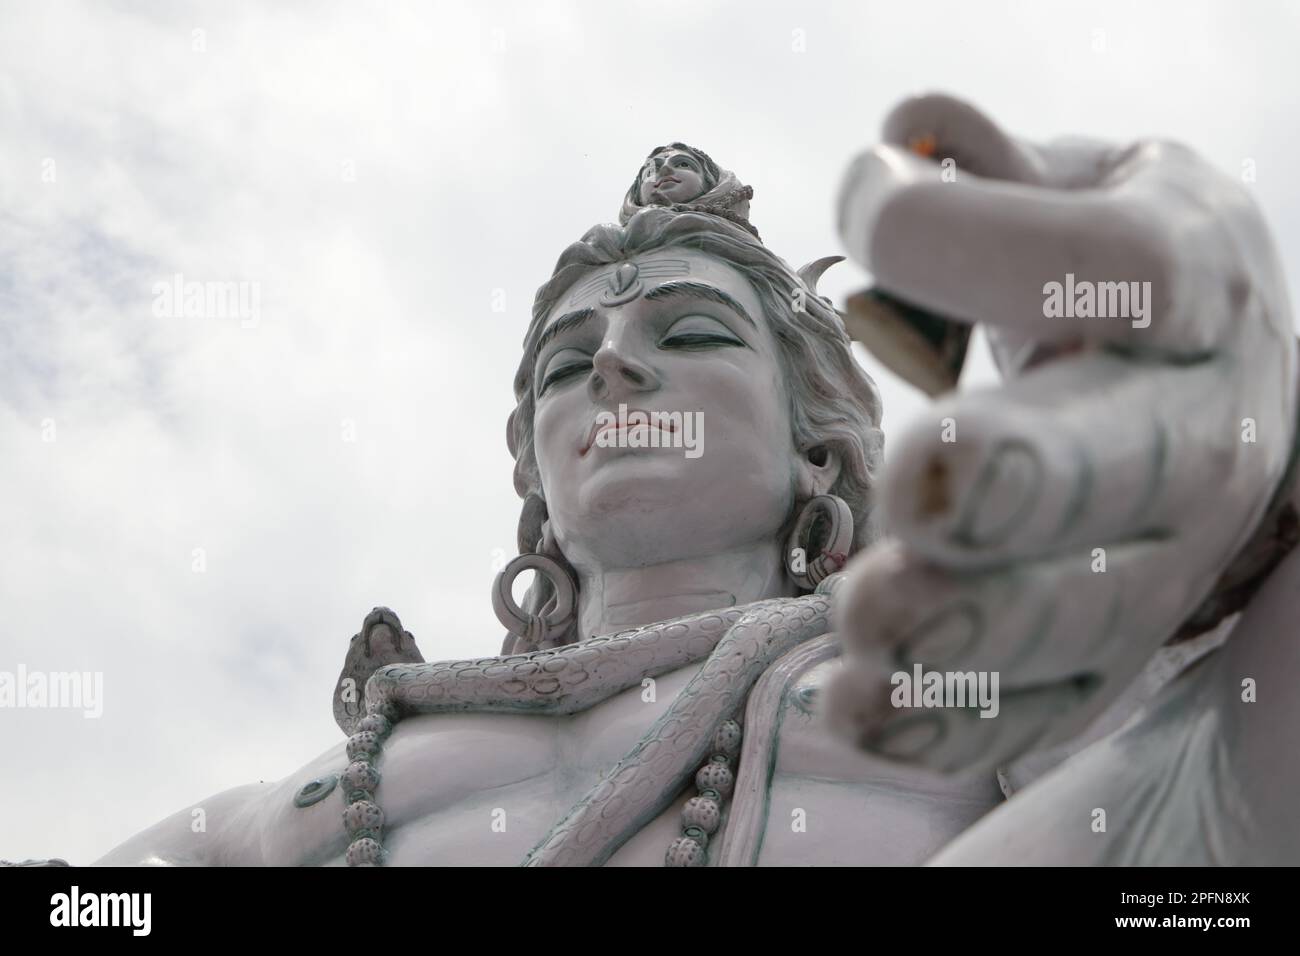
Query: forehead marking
(623, 282)
(624, 286)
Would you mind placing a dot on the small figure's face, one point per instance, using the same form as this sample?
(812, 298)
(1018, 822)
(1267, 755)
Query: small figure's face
(672, 176)
(685, 333)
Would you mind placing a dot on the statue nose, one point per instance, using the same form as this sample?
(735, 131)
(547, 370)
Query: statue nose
(615, 374)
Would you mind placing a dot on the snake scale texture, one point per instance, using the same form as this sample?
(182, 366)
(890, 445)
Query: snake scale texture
(737, 645)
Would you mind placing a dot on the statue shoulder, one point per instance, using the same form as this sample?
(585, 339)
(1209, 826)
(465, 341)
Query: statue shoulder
(198, 835)
(286, 822)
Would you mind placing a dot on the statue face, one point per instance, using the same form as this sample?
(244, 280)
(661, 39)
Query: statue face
(681, 332)
(671, 176)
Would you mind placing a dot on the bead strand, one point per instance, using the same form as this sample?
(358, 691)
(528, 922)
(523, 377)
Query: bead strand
(702, 814)
(363, 818)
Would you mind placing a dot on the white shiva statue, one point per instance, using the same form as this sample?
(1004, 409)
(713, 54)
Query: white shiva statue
(705, 669)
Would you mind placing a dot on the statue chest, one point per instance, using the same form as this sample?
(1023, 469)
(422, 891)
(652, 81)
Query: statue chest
(483, 789)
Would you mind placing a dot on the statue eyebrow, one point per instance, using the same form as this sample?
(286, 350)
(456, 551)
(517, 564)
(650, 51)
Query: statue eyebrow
(565, 323)
(699, 290)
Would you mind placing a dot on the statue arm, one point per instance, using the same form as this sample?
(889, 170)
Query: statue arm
(269, 823)
(220, 831)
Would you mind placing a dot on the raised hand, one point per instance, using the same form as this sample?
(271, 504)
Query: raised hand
(1057, 530)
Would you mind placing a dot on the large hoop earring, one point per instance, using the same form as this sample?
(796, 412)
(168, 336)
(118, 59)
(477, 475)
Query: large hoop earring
(535, 629)
(810, 570)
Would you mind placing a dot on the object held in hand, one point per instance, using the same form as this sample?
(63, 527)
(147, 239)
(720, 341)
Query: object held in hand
(926, 349)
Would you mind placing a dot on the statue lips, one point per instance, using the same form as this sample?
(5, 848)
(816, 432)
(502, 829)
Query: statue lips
(598, 426)
(663, 183)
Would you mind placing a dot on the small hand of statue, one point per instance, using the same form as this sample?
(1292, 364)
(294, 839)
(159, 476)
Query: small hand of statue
(1055, 531)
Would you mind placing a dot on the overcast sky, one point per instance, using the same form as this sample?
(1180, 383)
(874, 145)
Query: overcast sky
(385, 173)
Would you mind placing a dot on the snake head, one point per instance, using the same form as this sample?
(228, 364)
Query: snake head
(381, 641)
(385, 640)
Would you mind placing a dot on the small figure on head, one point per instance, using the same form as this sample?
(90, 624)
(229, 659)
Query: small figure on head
(683, 177)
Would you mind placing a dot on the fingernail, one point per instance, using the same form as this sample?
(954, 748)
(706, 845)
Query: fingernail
(1002, 497)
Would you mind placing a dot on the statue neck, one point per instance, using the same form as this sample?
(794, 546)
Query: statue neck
(613, 599)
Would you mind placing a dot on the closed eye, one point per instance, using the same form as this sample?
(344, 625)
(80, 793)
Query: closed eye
(700, 332)
(563, 366)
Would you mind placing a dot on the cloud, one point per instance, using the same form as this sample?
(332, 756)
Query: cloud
(382, 174)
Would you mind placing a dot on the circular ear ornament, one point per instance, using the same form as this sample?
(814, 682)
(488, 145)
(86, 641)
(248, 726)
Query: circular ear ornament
(806, 568)
(535, 628)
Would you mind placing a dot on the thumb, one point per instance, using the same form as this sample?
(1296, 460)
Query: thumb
(938, 127)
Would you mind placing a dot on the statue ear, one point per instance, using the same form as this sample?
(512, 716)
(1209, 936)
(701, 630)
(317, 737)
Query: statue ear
(817, 470)
(547, 544)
